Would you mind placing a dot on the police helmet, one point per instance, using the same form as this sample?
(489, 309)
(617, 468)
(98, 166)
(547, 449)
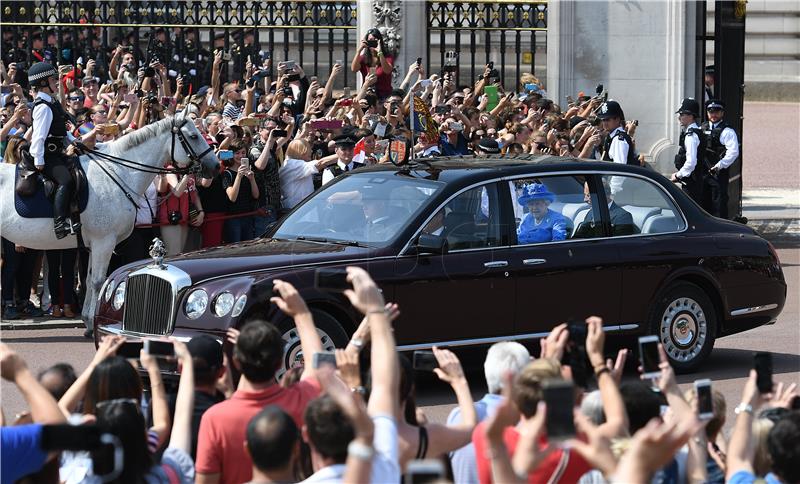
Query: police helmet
(610, 109)
(39, 74)
(689, 106)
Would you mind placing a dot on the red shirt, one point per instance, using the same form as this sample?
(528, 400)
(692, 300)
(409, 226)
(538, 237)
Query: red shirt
(384, 85)
(569, 472)
(220, 442)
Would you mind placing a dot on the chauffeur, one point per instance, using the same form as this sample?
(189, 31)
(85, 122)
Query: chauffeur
(722, 150)
(49, 141)
(344, 150)
(692, 148)
(618, 145)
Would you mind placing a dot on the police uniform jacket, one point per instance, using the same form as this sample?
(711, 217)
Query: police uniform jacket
(335, 170)
(49, 129)
(688, 151)
(721, 139)
(552, 227)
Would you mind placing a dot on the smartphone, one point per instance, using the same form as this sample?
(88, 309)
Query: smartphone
(130, 349)
(324, 358)
(419, 61)
(345, 92)
(5, 89)
(226, 56)
(599, 89)
(346, 102)
(245, 162)
(457, 126)
(225, 155)
(531, 87)
(762, 362)
(424, 360)
(280, 133)
(425, 83)
(339, 61)
(705, 406)
(331, 279)
(424, 471)
(648, 355)
(491, 65)
(289, 65)
(636, 122)
(380, 129)
(493, 96)
(313, 79)
(161, 348)
(327, 124)
(577, 333)
(442, 109)
(382, 144)
(559, 395)
(70, 437)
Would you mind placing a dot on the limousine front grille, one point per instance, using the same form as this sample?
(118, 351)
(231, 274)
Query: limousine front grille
(149, 305)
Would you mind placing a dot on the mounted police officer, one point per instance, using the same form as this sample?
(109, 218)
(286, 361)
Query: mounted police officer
(618, 145)
(344, 150)
(722, 149)
(49, 142)
(692, 148)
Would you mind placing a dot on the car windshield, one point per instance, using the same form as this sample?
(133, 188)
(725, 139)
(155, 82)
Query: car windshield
(368, 208)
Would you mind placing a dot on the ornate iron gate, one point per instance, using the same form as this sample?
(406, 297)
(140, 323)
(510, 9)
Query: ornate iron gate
(510, 33)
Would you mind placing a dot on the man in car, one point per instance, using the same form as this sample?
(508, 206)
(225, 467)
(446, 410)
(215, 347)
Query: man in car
(380, 223)
(541, 224)
(621, 219)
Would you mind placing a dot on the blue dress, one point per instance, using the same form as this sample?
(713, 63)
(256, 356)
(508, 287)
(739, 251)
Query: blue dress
(552, 227)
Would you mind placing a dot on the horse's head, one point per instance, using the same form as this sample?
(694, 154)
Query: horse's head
(189, 146)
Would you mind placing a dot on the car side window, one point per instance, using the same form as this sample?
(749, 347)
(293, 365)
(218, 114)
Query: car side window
(471, 220)
(553, 208)
(640, 205)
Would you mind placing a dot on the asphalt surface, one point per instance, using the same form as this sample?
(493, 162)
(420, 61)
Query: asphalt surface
(771, 178)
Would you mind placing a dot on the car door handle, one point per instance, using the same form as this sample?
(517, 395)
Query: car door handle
(534, 262)
(497, 263)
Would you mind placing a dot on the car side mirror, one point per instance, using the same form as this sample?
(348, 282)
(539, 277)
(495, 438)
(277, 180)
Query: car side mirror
(431, 244)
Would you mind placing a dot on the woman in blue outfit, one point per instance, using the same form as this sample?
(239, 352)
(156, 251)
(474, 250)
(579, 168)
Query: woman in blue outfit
(540, 224)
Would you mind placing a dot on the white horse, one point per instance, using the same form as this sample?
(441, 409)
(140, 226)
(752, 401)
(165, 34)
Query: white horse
(109, 216)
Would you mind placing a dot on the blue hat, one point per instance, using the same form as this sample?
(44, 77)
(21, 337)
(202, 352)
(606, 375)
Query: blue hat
(535, 191)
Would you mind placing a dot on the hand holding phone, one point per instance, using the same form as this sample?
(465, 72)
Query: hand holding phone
(159, 348)
(331, 279)
(425, 360)
(762, 362)
(705, 403)
(649, 357)
(323, 358)
(559, 395)
(245, 162)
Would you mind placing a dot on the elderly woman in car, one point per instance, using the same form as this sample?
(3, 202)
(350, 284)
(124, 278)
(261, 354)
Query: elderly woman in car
(540, 224)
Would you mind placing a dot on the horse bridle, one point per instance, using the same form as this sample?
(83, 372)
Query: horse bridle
(178, 131)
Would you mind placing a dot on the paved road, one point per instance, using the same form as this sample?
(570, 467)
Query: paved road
(727, 366)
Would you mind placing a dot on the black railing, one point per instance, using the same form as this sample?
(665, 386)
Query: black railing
(314, 33)
(509, 33)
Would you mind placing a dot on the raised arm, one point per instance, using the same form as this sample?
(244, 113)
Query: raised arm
(293, 305)
(107, 347)
(616, 423)
(158, 401)
(181, 436)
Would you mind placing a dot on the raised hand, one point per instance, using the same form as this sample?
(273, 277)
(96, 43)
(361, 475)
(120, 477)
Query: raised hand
(290, 301)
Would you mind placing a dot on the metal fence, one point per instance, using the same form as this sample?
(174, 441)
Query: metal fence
(510, 33)
(314, 33)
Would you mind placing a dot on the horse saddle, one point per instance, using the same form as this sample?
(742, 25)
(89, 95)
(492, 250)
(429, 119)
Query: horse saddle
(33, 197)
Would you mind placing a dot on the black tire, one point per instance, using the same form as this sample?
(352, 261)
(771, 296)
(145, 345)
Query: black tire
(331, 332)
(685, 321)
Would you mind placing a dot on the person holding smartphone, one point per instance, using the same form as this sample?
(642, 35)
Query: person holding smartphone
(241, 188)
(372, 53)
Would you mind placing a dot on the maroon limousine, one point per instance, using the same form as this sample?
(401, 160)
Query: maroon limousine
(476, 251)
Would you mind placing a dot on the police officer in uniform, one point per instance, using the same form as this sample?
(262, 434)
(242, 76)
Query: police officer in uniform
(618, 145)
(722, 149)
(48, 143)
(344, 150)
(692, 148)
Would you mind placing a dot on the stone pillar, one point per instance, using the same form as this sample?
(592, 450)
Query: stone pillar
(404, 29)
(642, 52)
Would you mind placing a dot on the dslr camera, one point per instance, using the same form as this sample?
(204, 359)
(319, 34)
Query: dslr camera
(174, 217)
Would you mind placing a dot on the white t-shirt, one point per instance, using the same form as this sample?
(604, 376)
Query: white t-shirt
(296, 181)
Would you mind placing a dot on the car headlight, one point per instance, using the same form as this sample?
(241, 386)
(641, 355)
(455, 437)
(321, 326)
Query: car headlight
(239, 306)
(109, 290)
(196, 304)
(119, 295)
(223, 304)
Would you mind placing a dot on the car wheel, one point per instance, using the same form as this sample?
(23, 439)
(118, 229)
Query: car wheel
(330, 333)
(686, 323)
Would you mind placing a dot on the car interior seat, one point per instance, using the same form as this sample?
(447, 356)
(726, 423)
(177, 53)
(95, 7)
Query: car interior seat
(459, 229)
(641, 214)
(663, 222)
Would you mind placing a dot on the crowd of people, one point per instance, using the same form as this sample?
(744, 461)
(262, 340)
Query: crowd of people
(351, 416)
(281, 134)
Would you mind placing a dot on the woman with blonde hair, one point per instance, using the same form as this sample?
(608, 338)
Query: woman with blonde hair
(296, 173)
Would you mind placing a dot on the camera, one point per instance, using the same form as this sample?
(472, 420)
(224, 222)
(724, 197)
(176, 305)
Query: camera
(174, 217)
(450, 61)
(149, 72)
(127, 48)
(372, 43)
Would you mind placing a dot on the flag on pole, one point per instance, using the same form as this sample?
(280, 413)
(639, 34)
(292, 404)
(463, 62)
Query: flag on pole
(423, 121)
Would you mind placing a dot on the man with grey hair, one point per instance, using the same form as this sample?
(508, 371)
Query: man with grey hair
(501, 359)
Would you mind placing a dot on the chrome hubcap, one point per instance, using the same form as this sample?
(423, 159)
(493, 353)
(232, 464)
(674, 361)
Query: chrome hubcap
(683, 329)
(293, 352)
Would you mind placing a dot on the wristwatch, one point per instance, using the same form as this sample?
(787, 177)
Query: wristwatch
(360, 451)
(357, 342)
(743, 407)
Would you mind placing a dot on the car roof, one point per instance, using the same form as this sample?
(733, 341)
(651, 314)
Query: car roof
(472, 169)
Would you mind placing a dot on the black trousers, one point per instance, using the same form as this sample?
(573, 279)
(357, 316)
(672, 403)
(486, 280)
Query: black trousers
(715, 194)
(56, 169)
(61, 275)
(17, 272)
(134, 248)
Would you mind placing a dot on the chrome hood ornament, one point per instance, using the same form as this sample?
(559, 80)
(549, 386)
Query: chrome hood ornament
(157, 252)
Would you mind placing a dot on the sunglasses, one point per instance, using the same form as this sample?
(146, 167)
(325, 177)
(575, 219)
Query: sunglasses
(79, 98)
